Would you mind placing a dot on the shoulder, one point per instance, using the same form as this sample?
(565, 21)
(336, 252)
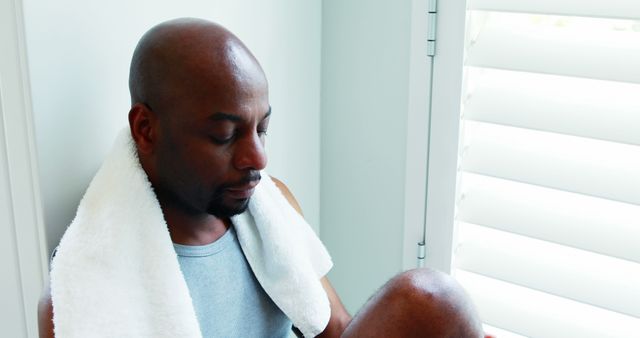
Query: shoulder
(45, 314)
(287, 194)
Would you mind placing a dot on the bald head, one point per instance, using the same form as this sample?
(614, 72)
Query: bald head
(178, 58)
(199, 115)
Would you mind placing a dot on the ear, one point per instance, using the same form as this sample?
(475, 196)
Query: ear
(143, 122)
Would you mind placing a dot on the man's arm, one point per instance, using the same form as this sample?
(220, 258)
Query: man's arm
(45, 314)
(340, 318)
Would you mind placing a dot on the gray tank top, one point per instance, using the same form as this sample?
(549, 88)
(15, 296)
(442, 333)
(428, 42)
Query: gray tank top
(228, 300)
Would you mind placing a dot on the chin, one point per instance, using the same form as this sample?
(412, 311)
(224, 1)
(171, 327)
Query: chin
(227, 210)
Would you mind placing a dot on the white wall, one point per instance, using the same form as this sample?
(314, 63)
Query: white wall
(22, 252)
(79, 54)
(365, 99)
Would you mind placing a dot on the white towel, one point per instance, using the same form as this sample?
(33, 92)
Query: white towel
(116, 274)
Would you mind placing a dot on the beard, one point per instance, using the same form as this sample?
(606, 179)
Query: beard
(221, 207)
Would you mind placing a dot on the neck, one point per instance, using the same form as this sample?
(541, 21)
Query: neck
(188, 229)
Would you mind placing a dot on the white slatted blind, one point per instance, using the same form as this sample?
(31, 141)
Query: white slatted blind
(548, 211)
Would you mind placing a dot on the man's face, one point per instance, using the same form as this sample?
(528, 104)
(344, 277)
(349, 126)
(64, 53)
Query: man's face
(211, 140)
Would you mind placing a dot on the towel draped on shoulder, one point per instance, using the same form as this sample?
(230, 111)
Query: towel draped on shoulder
(116, 274)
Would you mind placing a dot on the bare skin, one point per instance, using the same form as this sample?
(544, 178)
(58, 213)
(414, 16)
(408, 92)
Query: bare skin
(417, 303)
(199, 115)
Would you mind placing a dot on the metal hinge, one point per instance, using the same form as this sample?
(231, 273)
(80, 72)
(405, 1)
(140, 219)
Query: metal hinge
(432, 13)
(431, 29)
(421, 254)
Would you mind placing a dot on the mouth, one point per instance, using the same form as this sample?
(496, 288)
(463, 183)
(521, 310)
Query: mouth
(243, 191)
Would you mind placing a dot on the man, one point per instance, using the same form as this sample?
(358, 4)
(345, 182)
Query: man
(199, 117)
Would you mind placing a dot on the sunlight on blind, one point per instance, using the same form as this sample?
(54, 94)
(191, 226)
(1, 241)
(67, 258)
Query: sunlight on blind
(606, 49)
(539, 314)
(548, 209)
(622, 9)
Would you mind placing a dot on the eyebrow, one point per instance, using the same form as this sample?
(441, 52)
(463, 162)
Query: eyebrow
(267, 114)
(219, 116)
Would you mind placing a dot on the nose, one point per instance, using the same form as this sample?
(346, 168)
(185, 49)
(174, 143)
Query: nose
(250, 153)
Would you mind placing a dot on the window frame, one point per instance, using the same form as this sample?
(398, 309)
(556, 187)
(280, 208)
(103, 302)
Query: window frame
(433, 147)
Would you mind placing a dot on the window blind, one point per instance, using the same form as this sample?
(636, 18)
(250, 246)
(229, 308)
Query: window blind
(548, 202)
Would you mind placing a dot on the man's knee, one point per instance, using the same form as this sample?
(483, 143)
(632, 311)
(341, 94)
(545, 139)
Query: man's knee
(421, 286)
(435, 300)
(417, 303)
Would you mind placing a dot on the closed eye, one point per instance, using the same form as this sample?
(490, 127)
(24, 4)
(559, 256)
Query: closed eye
(222, 140)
